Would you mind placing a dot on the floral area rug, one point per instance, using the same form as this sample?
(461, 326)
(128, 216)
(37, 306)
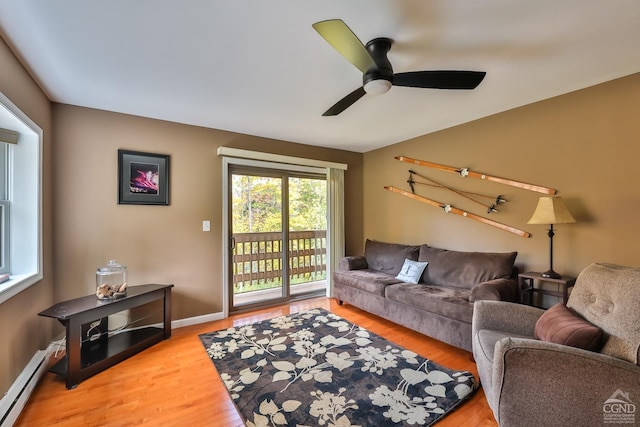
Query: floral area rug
(314, 368)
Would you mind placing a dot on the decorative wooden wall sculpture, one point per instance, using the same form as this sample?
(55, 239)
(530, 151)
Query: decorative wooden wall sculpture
(474, 197)
(451, 209)
(466, 194)
(464, 172)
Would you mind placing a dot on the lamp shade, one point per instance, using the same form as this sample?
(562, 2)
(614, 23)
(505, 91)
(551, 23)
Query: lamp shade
(551, 210)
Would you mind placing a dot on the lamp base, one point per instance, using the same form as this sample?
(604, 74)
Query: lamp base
(551, 274)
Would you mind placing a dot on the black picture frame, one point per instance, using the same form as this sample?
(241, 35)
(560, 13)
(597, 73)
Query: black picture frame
(143, 178)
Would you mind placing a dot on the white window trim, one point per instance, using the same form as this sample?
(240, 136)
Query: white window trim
(29, 273)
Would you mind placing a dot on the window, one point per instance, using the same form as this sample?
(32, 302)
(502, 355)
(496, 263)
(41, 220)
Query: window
(20, 192)
(5, 239)
(5, 211)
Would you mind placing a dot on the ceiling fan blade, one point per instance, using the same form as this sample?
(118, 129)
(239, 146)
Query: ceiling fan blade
(345, 102)
(439, 79)
(338, 35)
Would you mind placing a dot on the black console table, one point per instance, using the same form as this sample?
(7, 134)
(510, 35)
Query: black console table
(89, 316)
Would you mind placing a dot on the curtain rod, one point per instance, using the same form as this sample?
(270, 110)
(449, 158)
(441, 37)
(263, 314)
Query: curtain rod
(278, 158)
(9, 136)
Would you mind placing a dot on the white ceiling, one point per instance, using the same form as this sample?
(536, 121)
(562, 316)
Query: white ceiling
(259, 68)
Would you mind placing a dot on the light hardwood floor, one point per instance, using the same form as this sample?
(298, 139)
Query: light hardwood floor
(174, 383)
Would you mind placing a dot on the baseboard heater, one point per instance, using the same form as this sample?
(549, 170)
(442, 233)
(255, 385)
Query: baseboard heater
(14, 401)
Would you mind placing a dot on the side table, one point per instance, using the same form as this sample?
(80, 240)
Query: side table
(104, 350)
(528, 284)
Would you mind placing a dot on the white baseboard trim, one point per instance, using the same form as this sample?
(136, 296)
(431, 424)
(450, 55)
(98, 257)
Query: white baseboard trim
(14, 401)
(196, 320)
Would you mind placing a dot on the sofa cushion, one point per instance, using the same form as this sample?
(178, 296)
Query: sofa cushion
(356, 262)
(560, 325)
(366, 280)
(608, 296)
(464, 269)
(388, 257)
(411, 271)
(444, 301)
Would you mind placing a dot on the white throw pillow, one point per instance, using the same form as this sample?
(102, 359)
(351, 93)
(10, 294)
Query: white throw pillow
(411, 271)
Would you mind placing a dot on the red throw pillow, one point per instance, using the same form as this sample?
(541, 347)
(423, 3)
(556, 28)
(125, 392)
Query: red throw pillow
(560, 325)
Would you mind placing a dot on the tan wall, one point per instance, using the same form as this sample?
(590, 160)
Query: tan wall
(22, 332)
(584, 144)
(159, 244)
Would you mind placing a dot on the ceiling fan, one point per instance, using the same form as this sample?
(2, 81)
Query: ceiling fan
(377, 73)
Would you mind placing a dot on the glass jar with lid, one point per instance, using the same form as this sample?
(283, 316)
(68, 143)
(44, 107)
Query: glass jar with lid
(111, 281)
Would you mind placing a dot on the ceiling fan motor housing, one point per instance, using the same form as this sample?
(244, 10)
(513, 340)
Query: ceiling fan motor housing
(377, 72)
(378, 80)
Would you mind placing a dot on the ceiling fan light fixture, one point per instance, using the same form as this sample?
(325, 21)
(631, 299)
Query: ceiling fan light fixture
(377, 71)
(377, 87)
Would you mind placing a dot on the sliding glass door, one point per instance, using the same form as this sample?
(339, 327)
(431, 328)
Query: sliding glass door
(278, 224)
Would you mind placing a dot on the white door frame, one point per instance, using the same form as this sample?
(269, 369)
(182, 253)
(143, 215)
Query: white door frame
(233, 156)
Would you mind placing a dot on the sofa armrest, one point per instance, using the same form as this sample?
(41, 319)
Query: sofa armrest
(505, 316)
(357, 262)
(551, 384)
(495, 290)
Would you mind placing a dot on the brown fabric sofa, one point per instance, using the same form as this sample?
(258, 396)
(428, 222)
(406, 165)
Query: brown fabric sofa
(531, 382)
(440, 305)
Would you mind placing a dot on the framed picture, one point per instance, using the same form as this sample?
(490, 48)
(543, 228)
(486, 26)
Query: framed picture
(143, 178)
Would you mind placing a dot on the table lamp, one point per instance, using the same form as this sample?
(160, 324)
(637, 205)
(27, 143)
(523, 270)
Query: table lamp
(551, 210)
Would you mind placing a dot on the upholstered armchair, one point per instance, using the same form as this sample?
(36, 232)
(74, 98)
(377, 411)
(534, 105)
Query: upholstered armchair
(532, 369)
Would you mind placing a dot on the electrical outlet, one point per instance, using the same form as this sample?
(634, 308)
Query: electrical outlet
(206, 225)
